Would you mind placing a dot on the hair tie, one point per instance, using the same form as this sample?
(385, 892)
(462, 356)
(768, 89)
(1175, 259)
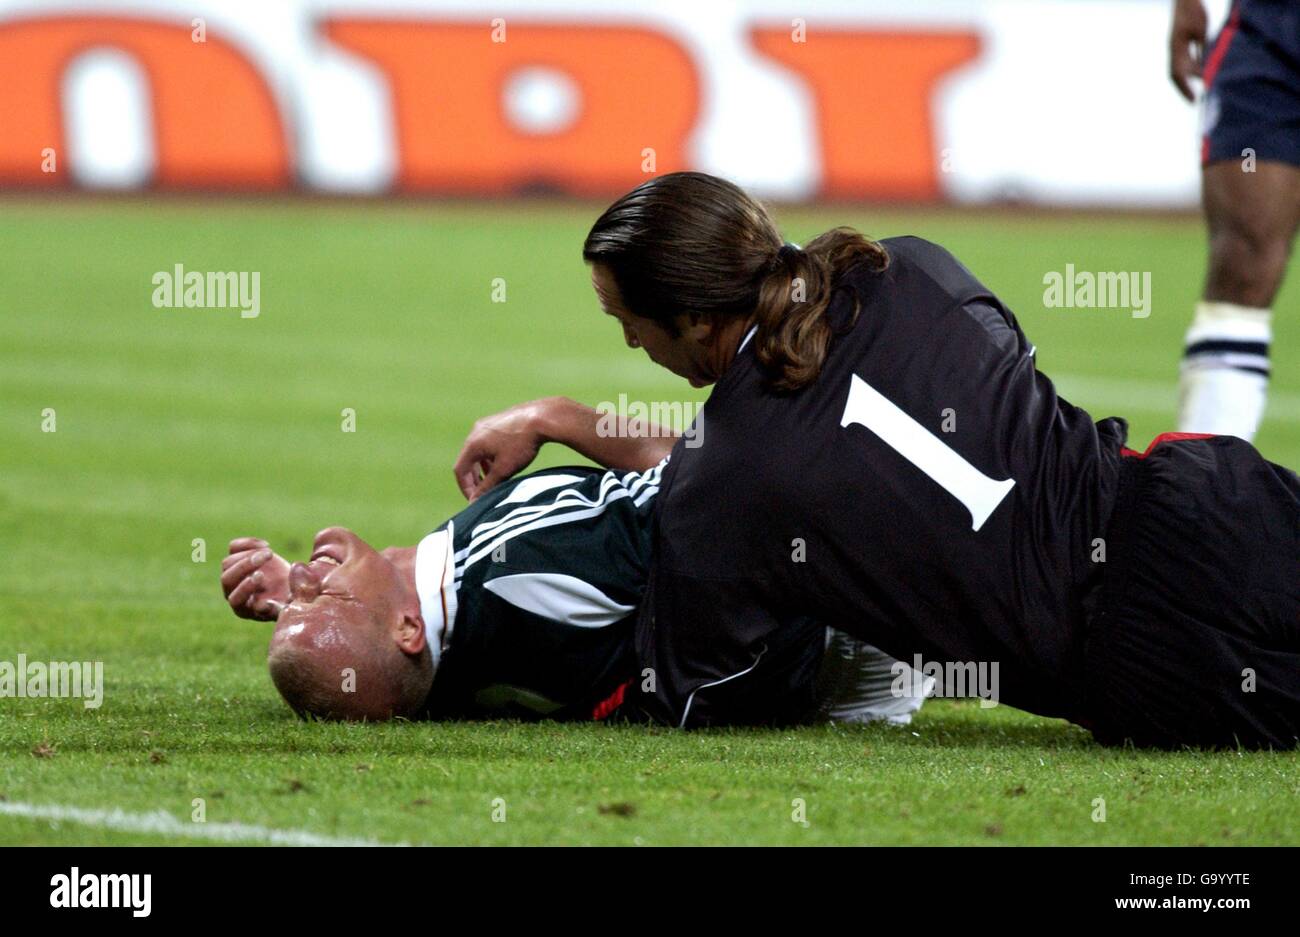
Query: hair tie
(781, 260)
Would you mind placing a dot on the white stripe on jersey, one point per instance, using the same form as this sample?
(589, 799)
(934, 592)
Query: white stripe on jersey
(562, 499)
(539, 523)
(565, 599)
(530, 488)
(570, 505)
(632, 483)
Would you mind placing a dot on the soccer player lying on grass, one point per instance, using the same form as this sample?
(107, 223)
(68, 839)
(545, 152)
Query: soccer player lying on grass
(522, 604)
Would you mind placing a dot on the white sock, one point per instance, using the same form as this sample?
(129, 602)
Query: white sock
(1225, 370)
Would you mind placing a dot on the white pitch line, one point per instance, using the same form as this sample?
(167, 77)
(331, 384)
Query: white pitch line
(161, 823)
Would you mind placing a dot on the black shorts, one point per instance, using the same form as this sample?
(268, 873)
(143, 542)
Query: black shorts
(1195, 638)
(1252, 84)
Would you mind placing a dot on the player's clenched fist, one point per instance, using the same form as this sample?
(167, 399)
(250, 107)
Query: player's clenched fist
(255, 579)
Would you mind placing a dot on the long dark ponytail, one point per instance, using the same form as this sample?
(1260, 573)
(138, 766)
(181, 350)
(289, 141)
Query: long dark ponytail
(690, 243)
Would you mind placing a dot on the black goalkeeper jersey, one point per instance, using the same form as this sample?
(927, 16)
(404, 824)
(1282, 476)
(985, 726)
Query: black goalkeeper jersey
(930, 494)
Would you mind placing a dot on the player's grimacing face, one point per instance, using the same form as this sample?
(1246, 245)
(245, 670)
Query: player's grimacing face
(682, 353)
(346, 584)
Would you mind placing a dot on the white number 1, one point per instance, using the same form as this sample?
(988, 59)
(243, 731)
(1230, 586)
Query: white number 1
(980, 494)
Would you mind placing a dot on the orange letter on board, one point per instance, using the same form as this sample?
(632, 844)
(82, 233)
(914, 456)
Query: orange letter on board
(874, 92)
(637, 89)
(215, 122)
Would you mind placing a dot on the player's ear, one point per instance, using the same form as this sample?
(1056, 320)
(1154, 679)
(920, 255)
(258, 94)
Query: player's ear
(410, 634)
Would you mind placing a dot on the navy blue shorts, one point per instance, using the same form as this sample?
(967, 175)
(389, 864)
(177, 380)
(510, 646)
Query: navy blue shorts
(1252, 84)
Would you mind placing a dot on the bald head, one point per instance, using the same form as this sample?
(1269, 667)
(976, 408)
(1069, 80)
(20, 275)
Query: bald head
(358, 677)
(351, 644)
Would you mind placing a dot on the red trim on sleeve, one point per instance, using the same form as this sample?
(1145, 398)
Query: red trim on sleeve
(1161, 439)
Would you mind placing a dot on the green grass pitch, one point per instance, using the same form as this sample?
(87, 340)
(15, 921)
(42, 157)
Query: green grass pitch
(179, 424)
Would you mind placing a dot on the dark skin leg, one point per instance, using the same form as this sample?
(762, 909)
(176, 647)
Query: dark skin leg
(1252, 219)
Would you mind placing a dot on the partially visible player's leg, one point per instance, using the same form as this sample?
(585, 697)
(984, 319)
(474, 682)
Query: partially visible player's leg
(1251, 194)
(1252, 218)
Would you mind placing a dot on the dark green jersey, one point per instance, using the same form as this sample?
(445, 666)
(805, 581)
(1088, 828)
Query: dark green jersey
(528, 594)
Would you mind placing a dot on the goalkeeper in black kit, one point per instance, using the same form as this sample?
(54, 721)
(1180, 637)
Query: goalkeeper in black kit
(880, 451)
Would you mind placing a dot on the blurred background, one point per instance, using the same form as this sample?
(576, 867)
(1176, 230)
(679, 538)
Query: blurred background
(1043, 102)
(410, 184)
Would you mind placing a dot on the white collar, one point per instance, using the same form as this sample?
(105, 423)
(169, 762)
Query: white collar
(435, 583)
(745, 341)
